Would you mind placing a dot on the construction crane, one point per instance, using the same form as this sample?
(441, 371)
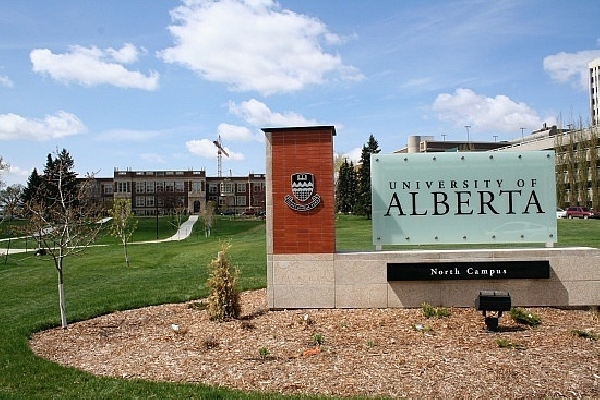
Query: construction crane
(220, 152)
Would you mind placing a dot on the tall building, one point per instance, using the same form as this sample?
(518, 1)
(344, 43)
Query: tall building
(594, 88)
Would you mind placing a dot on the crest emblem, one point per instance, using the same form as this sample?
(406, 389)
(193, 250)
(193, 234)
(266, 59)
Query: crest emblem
(303, 187)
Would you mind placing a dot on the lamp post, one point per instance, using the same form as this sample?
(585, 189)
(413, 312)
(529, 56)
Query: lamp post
(468, 136)
(522, 137)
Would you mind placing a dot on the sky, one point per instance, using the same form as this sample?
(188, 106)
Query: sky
(149, 85)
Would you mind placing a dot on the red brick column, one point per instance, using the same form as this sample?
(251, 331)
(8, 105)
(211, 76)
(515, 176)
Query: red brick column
(296, 224)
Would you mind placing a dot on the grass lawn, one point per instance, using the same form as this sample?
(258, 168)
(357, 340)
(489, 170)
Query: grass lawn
(97, 282)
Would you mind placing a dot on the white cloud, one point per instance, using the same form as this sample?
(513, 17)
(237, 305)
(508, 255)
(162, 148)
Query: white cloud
(207, 149)
(256, 113)
(91, 66)
(6, 82)
(571, 67)
(353, 155)
(153, 158)
(61, 124)
(235, 133)
(253, 45)
(498, 114)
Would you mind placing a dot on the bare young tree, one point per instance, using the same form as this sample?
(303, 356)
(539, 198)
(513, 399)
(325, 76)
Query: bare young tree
(208, 216)
(123, 225)
(62, 219)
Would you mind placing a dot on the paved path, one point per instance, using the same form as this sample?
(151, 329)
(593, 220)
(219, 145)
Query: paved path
(183, 232)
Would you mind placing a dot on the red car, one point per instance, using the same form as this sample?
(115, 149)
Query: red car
(581, 212)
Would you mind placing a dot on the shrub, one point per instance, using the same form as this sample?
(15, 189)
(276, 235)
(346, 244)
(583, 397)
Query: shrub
(521, 316)
(586, 334)
(429, 311)
(223, 300)
(318, 338)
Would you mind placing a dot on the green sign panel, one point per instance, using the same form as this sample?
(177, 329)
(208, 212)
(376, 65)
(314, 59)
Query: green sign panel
(464, 198)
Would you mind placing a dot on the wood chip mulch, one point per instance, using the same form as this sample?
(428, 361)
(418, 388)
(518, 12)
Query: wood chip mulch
(362, 352)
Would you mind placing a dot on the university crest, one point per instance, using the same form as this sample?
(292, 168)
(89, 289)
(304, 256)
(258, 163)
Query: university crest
(303, 186)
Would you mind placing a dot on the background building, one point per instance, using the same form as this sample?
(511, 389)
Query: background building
(161, 192)
(594, 87)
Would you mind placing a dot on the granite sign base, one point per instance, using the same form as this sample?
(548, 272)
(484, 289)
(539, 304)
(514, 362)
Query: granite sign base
(550, 277)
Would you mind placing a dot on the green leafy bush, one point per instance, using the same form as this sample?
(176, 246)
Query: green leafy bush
(524, 317)
(430, 312)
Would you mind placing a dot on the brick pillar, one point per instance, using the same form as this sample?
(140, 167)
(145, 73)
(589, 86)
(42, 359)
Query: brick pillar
(300, 221)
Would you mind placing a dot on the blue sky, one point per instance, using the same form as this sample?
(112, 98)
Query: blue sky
(149, 85)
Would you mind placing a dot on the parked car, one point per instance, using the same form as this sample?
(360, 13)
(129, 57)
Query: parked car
(227, 212)
(581, 212)
(560, 213)
(249, 211)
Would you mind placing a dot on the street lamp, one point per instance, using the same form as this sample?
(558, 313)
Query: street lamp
(522, 137)
(468, 135)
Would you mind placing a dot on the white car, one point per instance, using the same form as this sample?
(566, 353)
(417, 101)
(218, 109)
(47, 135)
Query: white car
(560, 213)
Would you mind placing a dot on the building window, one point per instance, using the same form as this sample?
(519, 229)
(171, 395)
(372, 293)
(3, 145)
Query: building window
(240, 187)
(259, 187)
(160, 186)
(123, 187)
(150, 201)
(179, 186)
(140, 201)
(149, 187)
(226, 187)
(197, 186)
(108, 189)
(168, 187)
(140, 187)
(240, 200)
(213, 188)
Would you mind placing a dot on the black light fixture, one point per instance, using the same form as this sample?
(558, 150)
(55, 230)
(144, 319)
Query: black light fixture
(491, 301)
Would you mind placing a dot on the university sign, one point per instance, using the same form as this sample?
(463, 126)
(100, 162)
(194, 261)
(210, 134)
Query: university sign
(464, 198)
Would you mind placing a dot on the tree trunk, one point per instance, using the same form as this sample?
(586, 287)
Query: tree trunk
(61, 298)
(125, 250)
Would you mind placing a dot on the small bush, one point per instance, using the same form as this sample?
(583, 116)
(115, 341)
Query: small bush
(585, 334)
(319, 339)
(430, 312)
(521, 316)
(223, 302)
(263, 352)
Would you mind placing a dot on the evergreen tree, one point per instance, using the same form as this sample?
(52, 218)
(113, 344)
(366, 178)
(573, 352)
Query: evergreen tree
(364, 197)
(346, 188)
(62, 167)
(34, 186)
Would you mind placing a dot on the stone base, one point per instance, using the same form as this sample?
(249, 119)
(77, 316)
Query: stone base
(359, 279)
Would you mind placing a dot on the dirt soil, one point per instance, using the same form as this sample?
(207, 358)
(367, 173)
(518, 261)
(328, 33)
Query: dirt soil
(366, 352)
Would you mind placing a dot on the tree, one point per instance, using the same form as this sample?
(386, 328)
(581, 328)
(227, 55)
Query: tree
(364, 197)
(62, 165)
(3, 167)
(10, 200)
(34, 184)
(64, 222)
(123, 225)
(208, 216)
(346, 188)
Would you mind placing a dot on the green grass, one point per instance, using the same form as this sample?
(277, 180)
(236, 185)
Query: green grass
(97, 282)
